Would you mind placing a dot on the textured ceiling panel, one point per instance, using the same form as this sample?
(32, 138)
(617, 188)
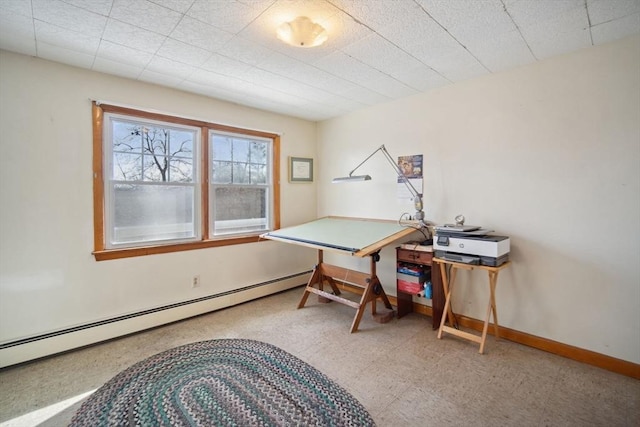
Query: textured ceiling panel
(377, 50)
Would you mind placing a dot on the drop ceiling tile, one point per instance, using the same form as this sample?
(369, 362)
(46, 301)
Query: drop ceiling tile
(391, 88)
(601, 11)
(343, 30)
(339, 102)
(380, 13)
(318, 111)
(304, 73)
(159, 78)
(421, 78)
(200, 34)
(527, 13)
(364, 96)
(425, 40)
(349, 68)
(101, 7)
(146, 15)
(468, 21)
(181, 6)
(276, 96)
(280, 64)
(65, 15)
(54, 35)
(261, 5)
(133, 37)
(170, 68)
(20, 7)
(322, 80)
(379, 53)
(210, 78)
(272, 81)
(110, 51)
(107, 66)
(182, 52)
(615, 29)
(17, 33)
(563, 33)
(504, 51)
(457, 66)
(231, 16)
(222, 65)
(244, 50)
(66, 56)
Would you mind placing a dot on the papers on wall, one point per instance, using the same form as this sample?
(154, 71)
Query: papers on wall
(411, 167)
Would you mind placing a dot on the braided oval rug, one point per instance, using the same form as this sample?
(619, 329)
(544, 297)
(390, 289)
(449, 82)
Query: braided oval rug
(227, 382)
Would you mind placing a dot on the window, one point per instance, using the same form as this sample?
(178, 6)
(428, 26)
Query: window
(240, 184)
(165, 184)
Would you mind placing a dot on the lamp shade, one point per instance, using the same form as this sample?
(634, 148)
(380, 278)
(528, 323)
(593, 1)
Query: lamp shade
(302, 32)
(351, 178)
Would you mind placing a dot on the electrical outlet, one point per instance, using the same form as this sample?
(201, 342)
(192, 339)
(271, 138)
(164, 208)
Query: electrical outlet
(195, 281)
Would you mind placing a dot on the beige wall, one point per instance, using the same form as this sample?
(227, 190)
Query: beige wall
(548, 154)
(48, 278)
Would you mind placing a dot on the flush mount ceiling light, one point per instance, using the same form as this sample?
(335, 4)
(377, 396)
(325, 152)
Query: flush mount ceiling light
(302, 32)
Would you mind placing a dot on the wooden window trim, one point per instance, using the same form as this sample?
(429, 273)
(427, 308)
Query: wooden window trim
(102, 254)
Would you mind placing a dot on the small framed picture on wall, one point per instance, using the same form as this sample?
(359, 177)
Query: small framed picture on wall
(300, 169)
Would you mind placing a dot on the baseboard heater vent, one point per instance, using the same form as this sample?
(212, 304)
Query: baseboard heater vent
(144, 312)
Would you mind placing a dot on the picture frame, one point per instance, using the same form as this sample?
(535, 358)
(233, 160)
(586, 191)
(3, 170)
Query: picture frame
(300, 169)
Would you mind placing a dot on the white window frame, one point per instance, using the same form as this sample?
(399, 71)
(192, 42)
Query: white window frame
(110, 182)
(268, 186)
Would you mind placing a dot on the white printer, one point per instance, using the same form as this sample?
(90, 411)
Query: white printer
(471, 245)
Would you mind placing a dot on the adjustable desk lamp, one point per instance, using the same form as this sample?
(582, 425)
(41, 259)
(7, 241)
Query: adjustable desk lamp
(416, 197)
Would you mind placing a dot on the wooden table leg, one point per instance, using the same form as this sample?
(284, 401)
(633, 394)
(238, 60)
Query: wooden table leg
(493, 282)
(447, 286)
(491, 308)
(315, 277)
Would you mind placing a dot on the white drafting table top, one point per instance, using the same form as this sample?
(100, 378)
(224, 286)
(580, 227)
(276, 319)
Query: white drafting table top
(360, 237)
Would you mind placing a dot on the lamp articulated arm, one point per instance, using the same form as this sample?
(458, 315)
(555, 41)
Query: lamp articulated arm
(417, 197)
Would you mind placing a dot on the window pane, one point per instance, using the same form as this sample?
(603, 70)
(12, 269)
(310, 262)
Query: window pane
(127, 167)
(258, 152)
(155, 168)
(146, 213)
(241, 150)
(221, 172)
(181, 169)
(258, 174)
(127, 137)
(240, 173)
(221, 147)
(181, 143)
(155, 140)
(239, 210)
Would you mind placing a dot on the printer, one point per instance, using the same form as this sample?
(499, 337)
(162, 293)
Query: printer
(470, 245)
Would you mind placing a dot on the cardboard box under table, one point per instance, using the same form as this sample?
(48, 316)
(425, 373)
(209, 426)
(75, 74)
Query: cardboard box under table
(350, 236)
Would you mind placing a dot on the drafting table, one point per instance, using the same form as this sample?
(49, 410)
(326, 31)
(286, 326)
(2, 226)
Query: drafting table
(351, 236)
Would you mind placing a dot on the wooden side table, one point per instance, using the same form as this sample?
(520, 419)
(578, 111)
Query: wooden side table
(447, 284)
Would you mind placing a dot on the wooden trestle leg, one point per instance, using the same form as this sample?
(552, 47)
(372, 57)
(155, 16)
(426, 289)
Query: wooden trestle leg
(372, 289)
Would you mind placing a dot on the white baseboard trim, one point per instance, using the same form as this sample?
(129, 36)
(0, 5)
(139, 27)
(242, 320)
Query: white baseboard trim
(36, 347)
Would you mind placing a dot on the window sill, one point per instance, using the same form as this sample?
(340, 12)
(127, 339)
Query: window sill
(109, 254)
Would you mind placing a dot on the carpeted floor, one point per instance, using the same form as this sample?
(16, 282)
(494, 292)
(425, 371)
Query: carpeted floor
(400, 372)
